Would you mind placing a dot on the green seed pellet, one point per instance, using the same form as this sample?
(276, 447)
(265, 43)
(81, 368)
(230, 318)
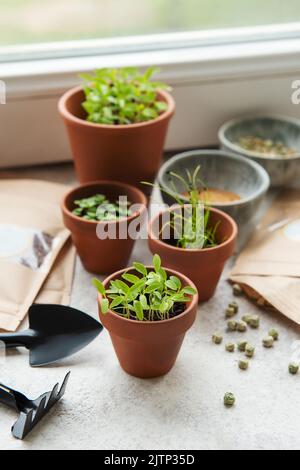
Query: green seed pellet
(254, 321)
(268, 342)
(241, 326)
(274, 333)
(293, 368)
(237, 290)
(229, 400)
(242, 346)
(232, 325)
(234, 305)
(243, 364)
(250, 350)
(230, 347)
(247, 318)
(217, 338)
(230, 312)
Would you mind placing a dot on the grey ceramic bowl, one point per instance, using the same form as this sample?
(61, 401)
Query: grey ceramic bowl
(283, 171)
(222, 171)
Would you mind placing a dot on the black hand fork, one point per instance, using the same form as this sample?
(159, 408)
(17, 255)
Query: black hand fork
(31, 411)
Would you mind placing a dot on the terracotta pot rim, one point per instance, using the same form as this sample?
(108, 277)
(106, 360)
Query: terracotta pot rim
(232, 237)
(116, 184)
(194, 302)
(71, 117)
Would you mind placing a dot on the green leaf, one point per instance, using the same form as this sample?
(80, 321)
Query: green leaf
(116, 302)
(171, 285)
(156, 263)
(189, 290)
(144, 302)
(99, 286)
(140, 268)
(121, 286)
(104, 304)
(139, 310)
(131, 278)
(176, 281)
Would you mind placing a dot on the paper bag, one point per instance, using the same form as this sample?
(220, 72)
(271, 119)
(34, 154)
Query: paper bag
(269, 267)
(33, 241)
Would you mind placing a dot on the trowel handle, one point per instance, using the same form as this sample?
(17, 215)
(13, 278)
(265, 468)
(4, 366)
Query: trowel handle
(15, 340)
(7, 397)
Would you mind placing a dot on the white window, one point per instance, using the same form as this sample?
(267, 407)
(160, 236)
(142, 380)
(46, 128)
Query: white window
(223, 58)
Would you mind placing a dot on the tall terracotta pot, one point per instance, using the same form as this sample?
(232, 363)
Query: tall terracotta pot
(102, 256)
(148, 349)
(204, 267)
(129, 153)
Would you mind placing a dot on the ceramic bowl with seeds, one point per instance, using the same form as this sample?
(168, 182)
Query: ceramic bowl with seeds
(272, 141)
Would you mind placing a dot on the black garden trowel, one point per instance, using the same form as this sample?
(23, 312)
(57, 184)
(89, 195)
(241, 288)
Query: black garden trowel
(55, 332)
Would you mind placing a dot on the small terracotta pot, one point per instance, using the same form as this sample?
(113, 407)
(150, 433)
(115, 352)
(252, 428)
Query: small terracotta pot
(204, 266)
(102, 256)
(148, 349)
(130, 153)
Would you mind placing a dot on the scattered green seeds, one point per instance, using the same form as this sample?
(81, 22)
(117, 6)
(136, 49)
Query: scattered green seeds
(254, 321)
(237, 290)
(230, 347)
(230, 312)
(232, 325)
(229, 400)
(243, 364)
(249, 350)
(293, 368)
(268, 342)
(242, 346)
(241, 326)
(274, 333)
(217, 338)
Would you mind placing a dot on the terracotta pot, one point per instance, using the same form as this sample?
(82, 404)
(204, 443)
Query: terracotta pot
(204, 266)
(130, 153)
(102, 256)
(148, 349)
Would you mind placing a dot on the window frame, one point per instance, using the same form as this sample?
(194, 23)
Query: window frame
(262, 63)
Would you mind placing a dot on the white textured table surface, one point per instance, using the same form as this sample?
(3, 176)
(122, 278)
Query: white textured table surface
(104, 408)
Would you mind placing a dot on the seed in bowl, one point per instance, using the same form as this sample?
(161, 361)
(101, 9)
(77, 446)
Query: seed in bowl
(266, 147)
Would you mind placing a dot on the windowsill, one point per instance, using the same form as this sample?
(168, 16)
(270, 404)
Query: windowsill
(179, 66)
(211, 84)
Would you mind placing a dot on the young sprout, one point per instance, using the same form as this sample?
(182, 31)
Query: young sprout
(217, 338)
(274, 333)
(145, 295)
(229, 399)
(268, 342)
(293, 368)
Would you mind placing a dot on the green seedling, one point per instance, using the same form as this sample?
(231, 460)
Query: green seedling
(146, 295)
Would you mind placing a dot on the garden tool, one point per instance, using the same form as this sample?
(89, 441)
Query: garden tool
(31, 411)
(55, 332)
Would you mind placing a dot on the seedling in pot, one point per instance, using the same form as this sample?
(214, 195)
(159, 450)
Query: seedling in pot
(191, 225)
(148, 296)
(98, 208)
(122, 96)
